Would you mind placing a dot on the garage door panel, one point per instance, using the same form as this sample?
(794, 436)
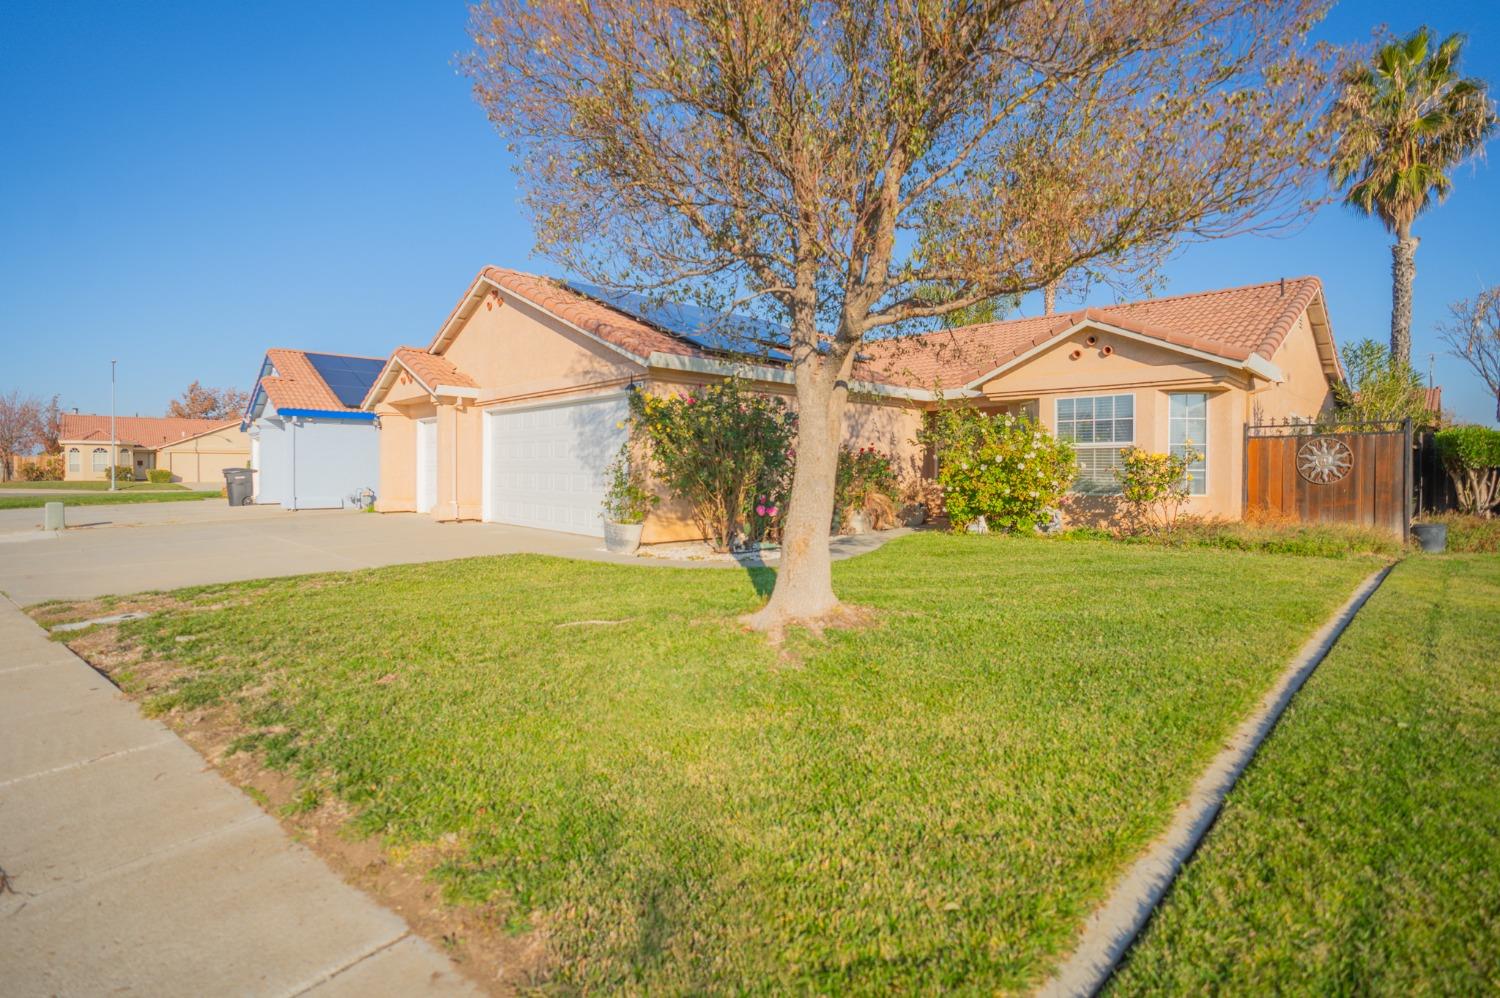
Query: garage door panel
(548, 465)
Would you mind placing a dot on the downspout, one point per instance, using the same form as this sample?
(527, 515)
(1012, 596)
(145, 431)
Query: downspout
(455, 461)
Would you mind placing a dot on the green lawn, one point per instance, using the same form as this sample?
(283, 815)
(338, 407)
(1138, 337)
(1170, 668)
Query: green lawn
(1360, 853)
(93, 486)
(101, 499)
(674, 805)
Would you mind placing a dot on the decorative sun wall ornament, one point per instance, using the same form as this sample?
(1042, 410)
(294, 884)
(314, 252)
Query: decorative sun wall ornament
(1324, 460)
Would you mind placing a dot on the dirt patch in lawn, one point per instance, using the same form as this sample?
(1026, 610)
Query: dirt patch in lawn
(477, 937)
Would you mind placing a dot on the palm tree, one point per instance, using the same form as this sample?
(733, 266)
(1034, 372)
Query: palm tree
(1403, 121)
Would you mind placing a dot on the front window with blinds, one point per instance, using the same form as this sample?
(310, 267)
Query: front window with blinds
(74, 463)
(100, 459)
(1099, 427)
(1187, 429)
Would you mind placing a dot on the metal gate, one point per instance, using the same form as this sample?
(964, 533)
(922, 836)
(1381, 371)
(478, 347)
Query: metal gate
(1341, 473)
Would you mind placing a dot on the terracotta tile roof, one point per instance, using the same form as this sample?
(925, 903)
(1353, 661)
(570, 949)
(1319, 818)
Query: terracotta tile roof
(136, 431)
(612, 327)
(1434, 398)
(1233, 323)
(297, 384)
(432, 369)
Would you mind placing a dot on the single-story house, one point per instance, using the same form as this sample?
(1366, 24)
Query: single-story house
(513, 410)
(311, 445)
(194, 450)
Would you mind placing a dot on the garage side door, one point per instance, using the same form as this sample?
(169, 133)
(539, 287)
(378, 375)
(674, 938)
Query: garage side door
(547, 465)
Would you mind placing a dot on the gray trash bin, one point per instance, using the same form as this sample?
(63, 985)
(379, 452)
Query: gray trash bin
(238, 485)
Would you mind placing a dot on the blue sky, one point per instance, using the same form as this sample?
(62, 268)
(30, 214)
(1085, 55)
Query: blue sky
(185, 184)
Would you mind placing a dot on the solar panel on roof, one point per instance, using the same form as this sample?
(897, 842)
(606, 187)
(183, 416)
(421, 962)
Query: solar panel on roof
(349, 378)
(719, 332)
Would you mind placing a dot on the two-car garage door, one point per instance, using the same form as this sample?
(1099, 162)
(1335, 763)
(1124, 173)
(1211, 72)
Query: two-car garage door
(545, 465)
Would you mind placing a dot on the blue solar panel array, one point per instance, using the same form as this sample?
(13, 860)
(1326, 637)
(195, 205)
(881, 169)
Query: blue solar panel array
(720, 332)
(350, 378)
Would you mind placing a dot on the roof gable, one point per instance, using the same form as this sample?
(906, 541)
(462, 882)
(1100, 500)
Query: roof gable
(295, 379)
(136, 431)
(1240, 327)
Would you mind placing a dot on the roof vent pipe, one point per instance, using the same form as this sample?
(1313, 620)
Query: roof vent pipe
(1283, 287)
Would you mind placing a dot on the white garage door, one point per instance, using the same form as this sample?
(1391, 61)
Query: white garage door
(547, 464)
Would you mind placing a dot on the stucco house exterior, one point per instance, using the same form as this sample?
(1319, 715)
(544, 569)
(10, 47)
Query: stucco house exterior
(194, 450)
(512, 411)
(311, 445)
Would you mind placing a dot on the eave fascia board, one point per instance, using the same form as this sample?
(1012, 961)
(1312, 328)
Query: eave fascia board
(353, 416)
(454, 391)
(511, 296)
(783, 376)
(1255, 364)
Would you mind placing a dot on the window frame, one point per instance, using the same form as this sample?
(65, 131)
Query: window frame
(101, 459)
(1118, 445)
(1207, 432)
(75, 459)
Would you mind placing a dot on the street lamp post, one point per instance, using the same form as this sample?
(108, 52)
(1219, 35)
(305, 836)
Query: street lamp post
(114, 446)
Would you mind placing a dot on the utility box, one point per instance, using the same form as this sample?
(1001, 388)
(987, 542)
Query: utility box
(54, 518)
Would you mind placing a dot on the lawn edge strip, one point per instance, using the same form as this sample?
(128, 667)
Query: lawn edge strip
(1109, 932)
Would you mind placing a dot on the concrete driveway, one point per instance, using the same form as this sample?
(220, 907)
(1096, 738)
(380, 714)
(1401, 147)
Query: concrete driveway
(135, 547)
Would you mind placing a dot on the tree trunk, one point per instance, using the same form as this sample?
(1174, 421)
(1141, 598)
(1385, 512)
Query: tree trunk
(804, 581)
(1403, 273)
(1049, 298)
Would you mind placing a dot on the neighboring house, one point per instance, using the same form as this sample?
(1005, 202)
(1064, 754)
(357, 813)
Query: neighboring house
(514, 409)
(194, 450)
(312, 447)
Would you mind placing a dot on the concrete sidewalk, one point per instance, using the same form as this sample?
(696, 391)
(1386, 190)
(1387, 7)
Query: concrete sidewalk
(133, 868)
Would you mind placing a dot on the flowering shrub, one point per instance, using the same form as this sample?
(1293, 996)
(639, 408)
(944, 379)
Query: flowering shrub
(1154, 488)
(865, 481)
(724, 450)
(1004, 468)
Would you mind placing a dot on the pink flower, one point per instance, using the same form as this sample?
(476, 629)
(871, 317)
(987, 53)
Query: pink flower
(760, 511)
(771, 511)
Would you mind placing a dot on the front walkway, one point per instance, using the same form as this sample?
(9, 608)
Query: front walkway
(133, 868)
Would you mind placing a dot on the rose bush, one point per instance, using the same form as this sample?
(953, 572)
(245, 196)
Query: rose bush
(1004, 468)
(866, 482)
(1154, 488)
(725, 451)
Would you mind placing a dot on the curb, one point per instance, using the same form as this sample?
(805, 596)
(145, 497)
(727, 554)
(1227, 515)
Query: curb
(1114, 925)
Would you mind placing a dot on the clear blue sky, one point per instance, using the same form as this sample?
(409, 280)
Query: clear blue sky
(185, 184)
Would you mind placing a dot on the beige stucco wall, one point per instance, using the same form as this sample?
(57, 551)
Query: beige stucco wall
(86, 472)
(398, 413)
(204, 458)
(1305, 393)
(1150, 374)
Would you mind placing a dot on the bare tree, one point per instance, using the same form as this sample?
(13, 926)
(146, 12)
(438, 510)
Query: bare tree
(49, 426)
(1473, 335)
(200, 402)
(828, 163)
(20, 429)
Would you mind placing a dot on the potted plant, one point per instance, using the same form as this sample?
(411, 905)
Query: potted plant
(626, 503)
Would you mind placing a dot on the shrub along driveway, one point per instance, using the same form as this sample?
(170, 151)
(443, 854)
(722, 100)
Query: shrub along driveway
(599, 757)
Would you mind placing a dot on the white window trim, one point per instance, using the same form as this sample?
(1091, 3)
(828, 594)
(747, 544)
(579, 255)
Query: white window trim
(1119, 445)
(100, 463)
(1208, 399)
(75, 459)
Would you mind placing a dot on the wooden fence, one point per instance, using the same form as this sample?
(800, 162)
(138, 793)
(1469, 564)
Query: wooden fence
(1345, 473)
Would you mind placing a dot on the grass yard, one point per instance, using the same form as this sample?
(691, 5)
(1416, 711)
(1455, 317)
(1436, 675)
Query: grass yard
(102, 498)
(1360, 853)
(94, 486)
(613, 768)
